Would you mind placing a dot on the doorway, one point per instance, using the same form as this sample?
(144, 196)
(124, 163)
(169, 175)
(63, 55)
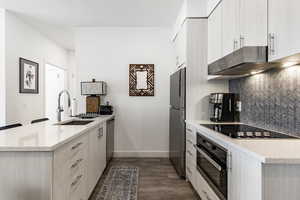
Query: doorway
(55, 82)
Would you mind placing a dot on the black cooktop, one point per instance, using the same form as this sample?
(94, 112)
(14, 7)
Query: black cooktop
(242, 131)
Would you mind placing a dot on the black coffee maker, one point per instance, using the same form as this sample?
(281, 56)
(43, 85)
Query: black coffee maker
(224, 107)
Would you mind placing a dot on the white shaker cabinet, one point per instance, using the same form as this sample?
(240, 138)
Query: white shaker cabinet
(244, 177)
(97, 155)
(284, 28)
(253, 23)
(215, 35)
(70, 170)
(230, 21)
(235, 24)
(180, 44)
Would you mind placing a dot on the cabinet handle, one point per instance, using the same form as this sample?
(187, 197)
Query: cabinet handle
(100, 133)
(235, 44)
(242, 41)
(189, 170)
(189, 141)
(271, 44)
(206, 195)
(76, 163)
(229, 161)
(76, 180)
(76, 146)
(189, 152)
(189, 130)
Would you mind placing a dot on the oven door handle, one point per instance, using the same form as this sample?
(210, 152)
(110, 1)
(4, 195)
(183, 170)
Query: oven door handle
(207, 157)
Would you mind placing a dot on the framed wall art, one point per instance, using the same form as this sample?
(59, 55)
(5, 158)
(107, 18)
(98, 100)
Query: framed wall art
(29, 76)
(141, 80)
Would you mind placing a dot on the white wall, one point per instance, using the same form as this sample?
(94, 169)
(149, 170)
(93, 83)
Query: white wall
(24, 41)
(142, 123)
(2, 67)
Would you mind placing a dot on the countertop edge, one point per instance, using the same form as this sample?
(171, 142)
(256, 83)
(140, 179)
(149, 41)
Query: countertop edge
(59, 144)
(228, 144)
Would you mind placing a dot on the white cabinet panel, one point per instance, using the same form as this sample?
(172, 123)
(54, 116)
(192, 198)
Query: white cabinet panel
(244, 177)
(284, 26)
(181, 46)
(253, 22)
(97, 156)
(230, 21)
(215, 35)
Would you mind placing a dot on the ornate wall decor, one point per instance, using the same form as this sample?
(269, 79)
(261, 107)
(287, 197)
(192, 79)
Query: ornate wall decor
(141, 80)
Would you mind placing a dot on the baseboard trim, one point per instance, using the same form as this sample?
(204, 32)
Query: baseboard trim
(141, 154)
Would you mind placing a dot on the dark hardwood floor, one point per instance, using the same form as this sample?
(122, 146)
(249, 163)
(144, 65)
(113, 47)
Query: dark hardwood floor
(157, 181)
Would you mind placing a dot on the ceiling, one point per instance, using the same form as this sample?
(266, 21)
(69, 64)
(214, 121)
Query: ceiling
(57, 18)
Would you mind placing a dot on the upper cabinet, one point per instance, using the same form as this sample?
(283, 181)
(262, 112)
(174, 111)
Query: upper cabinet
(243, 23)
(230, 26)
(253, 28)
(180, 46)
(284, 28)
(215, 35)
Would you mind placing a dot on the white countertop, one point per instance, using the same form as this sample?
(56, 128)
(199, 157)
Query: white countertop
(44, 136)
(269, 151)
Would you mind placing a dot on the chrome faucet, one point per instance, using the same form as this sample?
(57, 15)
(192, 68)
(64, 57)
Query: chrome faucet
(60, 109)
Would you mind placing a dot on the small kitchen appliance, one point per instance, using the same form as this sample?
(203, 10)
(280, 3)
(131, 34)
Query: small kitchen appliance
(224, 107)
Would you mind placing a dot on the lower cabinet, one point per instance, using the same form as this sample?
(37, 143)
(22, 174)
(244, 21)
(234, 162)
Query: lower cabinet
(97, 155)
(70, 170)
(78, 165)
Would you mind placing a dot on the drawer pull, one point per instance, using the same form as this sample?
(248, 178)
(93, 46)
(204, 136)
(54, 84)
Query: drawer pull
(189, 170)
(76, 180)
(76, 163)
(100, 132)
(190, 141)
(77, 145)
(189, 130)
(189, 152)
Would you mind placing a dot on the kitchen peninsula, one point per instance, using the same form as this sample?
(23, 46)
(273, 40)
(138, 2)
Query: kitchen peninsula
(52, 161)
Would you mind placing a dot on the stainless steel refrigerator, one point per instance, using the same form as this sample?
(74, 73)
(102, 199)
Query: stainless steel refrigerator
(177, 120)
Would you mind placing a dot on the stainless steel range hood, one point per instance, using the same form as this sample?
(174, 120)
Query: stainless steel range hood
(242, 62)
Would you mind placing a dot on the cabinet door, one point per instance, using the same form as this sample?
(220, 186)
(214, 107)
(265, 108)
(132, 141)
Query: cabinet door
(244, 177)
(230, 32)
(284, 27)
(97, 156)
(180, 46)
(215, 35)
(253, 23)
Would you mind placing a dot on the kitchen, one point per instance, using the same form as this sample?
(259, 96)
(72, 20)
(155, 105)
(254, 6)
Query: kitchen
(215, 118)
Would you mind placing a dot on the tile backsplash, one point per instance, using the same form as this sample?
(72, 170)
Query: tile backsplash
(271, 100)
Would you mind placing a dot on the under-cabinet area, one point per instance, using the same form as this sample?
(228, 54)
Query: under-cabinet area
(69, 168)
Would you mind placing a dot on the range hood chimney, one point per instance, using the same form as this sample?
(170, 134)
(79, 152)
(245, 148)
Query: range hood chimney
(242, 62)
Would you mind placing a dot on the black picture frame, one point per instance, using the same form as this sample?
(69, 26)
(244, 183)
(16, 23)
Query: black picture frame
(33, 76)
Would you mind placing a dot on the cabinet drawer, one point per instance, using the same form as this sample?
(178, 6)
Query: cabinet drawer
(204, 190)
(77, 163)
(70, 150)
(191, 176)
(76, 188)
(190, 135)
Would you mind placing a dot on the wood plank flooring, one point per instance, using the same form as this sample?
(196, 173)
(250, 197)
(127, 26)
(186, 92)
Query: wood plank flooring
(158, 180)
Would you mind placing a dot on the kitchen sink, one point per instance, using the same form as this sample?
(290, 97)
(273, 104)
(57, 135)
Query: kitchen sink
(77, 122)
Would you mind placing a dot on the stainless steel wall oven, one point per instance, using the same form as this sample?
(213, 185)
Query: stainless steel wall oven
(212, 165)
